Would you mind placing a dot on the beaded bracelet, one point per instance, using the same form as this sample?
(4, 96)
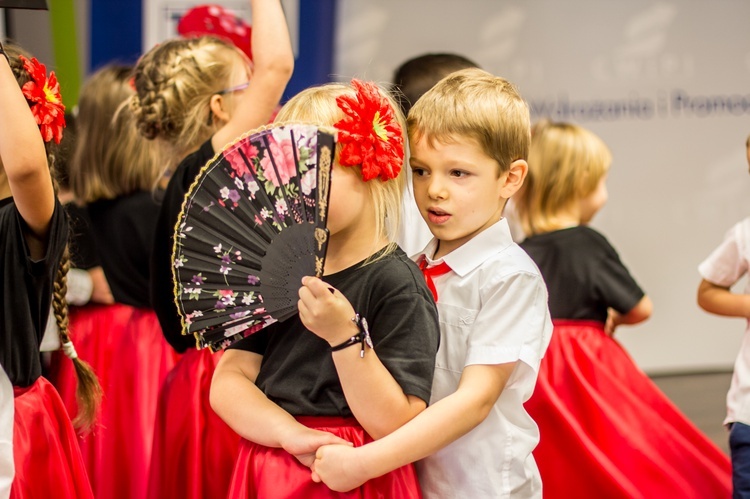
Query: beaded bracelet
(362, 337)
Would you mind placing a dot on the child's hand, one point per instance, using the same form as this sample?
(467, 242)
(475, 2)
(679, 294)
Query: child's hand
(303, 443)
(325, 311)
(339, 467)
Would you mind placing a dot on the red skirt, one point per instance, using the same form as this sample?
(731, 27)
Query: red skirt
(608, 431)
(45, 448)
(129, 354)
(265, 472)
(194, 450)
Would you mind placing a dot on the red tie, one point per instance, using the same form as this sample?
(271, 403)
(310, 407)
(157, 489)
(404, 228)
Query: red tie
(431, 272)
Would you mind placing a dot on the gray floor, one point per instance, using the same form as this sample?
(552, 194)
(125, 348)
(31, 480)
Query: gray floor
(702, 397)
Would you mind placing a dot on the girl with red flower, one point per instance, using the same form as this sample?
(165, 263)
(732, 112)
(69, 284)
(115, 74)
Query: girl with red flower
(194, 96)
(40, 453)
(357, 361)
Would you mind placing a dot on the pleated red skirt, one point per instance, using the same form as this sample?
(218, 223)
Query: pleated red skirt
(45, 447)
(270, 473)
(194, 450)
(127, 351)
(608, 431)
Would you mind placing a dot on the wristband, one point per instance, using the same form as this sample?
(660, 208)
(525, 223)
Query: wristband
(362, 337)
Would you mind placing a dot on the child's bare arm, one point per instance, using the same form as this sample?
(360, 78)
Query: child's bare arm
(373, 395)
(721, 301)
(639, 313)
(248, 411)
(273, 63)
(442, 423)
(24, 161)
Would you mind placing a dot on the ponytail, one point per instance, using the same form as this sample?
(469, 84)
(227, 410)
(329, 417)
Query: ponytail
(88, 392)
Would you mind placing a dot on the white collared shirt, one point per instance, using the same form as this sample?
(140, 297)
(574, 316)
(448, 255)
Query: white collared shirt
(493, 310)
(724, 267)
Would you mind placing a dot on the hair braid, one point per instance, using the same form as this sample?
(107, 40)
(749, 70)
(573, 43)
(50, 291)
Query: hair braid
(88, 392)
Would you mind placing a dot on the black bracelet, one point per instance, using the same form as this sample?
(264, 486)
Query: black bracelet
(362, 337)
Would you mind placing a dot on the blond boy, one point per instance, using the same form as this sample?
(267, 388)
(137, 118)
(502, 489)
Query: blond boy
(469, 138)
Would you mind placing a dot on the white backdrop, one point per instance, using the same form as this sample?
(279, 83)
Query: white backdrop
(665, 84)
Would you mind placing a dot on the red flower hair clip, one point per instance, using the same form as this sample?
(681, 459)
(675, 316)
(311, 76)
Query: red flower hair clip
(370, 135)
(44, 98)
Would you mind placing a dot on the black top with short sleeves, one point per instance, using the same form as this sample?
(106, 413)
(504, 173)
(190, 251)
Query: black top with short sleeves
(297, 371)
(584, 274)
(162, 286)
(26, 292)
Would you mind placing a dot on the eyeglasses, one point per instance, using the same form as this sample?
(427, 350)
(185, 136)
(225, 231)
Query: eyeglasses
(241, 86)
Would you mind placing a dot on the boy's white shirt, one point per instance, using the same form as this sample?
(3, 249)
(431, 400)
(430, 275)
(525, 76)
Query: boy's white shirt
(493, 309)
(724, 267)
(7, 410)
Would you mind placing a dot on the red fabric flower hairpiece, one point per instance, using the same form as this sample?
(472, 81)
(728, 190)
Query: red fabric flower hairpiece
(369, 134)
(44, 98)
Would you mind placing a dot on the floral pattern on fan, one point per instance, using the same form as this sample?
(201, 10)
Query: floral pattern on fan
(250, 228)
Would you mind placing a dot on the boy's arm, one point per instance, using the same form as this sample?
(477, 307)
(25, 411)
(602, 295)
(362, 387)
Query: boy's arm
(442, 423)
(273, 63)
(721, 301)
(373, 395)
(247, 410)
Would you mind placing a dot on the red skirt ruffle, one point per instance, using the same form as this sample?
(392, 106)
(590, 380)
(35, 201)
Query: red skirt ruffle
(608, 431)
(129, 354)
(264, 472)
(45, 447)
(194, 450)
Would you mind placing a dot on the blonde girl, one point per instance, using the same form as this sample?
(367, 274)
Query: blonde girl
(38, 449)
(606, 429)
(312, 379)
(193, 96)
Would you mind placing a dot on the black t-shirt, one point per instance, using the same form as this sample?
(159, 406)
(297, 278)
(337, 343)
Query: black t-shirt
(26, 292)
(81, 244)
(297, 371)
(584, 274)
(124, 231)
(162, 285)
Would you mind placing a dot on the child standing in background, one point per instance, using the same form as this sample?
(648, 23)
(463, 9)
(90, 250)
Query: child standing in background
(310, 380)
(469, 138)
(606, 429)
(720, 271)
(194, 96)
(38, 449)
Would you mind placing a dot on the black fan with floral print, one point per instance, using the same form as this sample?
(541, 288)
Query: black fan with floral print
(252, 225)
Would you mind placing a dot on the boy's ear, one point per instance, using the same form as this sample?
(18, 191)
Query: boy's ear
(514, 178)
(217, 108)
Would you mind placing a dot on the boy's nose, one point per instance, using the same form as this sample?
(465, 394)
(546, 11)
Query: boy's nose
(436, 188)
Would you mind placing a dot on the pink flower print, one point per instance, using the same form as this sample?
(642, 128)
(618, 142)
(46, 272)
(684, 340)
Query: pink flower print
(283, 155)
(265, 213)
(309, 181)
(237, 163)
(252, 280)
(253, 187)
(224, 269)
(217, 249)
(258, 221)
(179, 262)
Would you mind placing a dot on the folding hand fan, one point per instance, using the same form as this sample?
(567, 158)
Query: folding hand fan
(252, 225)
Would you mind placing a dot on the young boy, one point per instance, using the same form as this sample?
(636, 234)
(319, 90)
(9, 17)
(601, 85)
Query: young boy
(469, 139)
(720, 271)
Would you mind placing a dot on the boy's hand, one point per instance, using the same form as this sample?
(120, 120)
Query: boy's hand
(303, 442)
(325, 311)
(340, 467)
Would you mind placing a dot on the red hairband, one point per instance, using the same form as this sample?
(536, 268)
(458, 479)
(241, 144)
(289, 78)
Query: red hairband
(369, 134)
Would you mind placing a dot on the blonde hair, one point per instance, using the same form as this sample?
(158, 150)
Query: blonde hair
(110, 159)
(317, 105)
(473, 104)
(174, 83)
(566, 163)
(88, 391)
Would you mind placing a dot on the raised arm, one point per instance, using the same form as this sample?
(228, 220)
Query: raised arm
(24, 161)
(720, 300)
(273, 62)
